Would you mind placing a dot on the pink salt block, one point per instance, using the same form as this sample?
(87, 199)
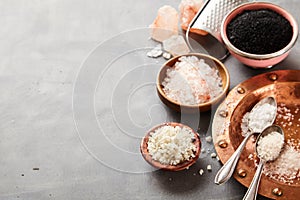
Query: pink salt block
(176, 45)
(188, 9)
(165, 24)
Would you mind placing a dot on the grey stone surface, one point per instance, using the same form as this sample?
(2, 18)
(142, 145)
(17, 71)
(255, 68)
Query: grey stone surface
(42, 46)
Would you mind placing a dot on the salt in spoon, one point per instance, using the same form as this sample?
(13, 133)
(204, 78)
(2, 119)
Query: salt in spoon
(224, 174)
(260, 149)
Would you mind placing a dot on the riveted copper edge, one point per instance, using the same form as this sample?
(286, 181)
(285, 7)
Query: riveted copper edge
(222, 144)
(242, 173)
(240, 90)
(256, 88)
(273, 77)
(277, 192)
(223, 113)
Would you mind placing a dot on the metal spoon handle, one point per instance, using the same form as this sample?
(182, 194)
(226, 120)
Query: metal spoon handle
(253, 188)
(228, 168)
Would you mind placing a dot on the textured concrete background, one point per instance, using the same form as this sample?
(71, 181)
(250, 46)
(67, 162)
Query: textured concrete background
(42, 46)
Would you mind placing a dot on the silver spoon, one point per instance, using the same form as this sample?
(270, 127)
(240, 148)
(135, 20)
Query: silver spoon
(228, 168)
(253, 188)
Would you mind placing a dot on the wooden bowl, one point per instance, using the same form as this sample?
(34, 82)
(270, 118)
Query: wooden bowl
(157, 164)
(192, 108)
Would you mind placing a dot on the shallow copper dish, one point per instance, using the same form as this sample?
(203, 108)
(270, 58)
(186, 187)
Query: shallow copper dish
(211, 61)
(178, 167)
(284, 85)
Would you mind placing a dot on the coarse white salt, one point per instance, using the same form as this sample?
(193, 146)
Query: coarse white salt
(244, 125)
(269, 146)
(213, 155)
(172, 145)
(201, 172)
(191, 81)
(208, 139)
(261, 117)
(167, 55)
(286, 168)
(257, 120)
(176, 45)
(155, 52)
(209, 168)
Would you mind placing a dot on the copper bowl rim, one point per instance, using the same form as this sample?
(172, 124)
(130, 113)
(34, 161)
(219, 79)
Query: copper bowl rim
(157, 164)
(198, 55)
(271, 6)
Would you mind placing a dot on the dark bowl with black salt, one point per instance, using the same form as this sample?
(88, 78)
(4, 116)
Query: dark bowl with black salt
(259, 34)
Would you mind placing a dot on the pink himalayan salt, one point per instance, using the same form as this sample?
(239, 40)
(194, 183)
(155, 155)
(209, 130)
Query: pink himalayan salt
(165, 24)
(187, 11)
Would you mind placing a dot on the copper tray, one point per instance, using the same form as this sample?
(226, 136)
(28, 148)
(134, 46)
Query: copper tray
(284, 85)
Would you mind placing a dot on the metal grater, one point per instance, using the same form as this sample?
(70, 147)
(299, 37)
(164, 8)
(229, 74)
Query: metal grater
(210, 17)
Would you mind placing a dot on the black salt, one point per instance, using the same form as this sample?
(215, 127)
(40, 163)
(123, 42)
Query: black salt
(259, 31)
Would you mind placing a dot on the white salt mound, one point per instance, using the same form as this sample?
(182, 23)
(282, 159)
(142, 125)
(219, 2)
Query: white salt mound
(286, 167)
(261, 117)
(172, 145)
(269, 146)
(192, 81)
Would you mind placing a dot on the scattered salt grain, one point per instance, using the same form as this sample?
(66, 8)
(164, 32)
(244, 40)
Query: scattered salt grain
(155, 52)
(209, 168)
(171, 145)
(176, 45)
(167, 55)
(269, 146)
(192, 81)
(208, 139)
(201, 172)
(286, 168)
(213, 155)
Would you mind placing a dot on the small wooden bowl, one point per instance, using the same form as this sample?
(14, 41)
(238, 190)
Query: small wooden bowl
(157, 164)
(192, 108)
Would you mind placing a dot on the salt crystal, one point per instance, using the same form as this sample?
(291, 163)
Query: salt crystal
(167, 55)
(171, 145)
(165, 24)
(201, 172)
(269, 146)
(155, 52)
(176, 45)
(286, 167)
(188, 9)
(208, 139)
(261, 116)
(209, 168)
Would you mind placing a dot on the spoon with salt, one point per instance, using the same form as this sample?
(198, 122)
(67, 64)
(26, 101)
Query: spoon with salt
(267, 147)
(257, 122)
